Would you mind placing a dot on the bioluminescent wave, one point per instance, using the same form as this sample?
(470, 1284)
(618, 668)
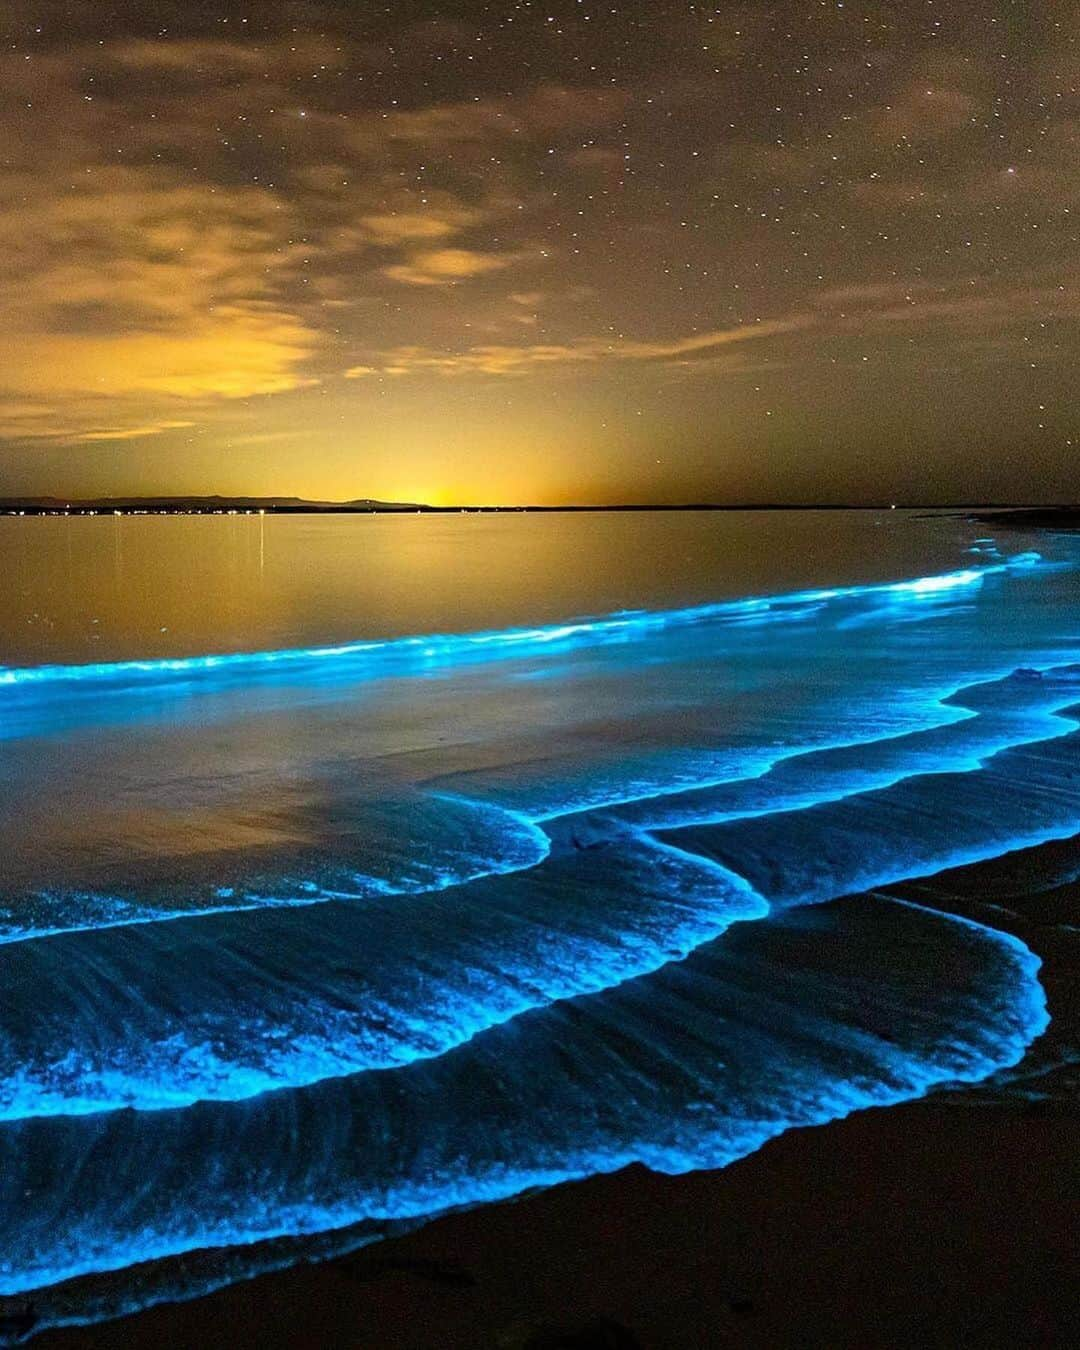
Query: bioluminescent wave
(350, 847)
(435, 841)
(454, 648)
(47, 698)
(286, 962)
(262, 838)
(401, 977)
(976, 723)
(778, 1024)
(366, 986)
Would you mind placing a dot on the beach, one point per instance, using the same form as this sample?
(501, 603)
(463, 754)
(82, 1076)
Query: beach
(660, 978)
(539, 676)
(922, 1225)
(947, 1221)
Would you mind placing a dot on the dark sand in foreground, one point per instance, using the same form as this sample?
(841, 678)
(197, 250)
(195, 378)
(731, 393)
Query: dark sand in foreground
(926, 1224)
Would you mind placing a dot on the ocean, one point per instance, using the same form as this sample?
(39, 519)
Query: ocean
(361, 868)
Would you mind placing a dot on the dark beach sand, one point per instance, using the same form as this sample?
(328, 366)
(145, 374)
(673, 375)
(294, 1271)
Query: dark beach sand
(944, 1222)
(921, 1225)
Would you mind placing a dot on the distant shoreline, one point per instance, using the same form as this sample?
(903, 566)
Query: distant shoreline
(1036, 515)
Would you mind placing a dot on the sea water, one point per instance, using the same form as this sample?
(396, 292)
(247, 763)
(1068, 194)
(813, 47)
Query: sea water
(358, 869)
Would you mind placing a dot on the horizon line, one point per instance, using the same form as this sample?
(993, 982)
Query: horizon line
(217, 503)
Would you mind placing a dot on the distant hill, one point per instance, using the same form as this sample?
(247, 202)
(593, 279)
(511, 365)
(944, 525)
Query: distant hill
(212, 505)
(1032, 517)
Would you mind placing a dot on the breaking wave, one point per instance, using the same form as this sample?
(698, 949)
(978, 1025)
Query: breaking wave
(284, 963)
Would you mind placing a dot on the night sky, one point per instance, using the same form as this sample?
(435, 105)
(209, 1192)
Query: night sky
(541, 252)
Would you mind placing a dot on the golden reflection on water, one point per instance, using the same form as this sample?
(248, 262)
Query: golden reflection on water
(103, 588)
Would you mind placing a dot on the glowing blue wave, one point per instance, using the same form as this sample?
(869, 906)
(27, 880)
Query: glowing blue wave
(693, 1066)
(501, 842)
(963, 730)
(377, 986)
(1022, 797)
(448, 649)
(423, 977)
(798, 778)
(625, 983)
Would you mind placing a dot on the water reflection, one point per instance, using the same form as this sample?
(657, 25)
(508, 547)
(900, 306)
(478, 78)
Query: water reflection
(106, 588)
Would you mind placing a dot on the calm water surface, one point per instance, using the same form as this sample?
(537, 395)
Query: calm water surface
(106, 587)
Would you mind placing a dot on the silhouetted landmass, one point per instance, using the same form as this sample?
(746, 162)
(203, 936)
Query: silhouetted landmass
(1032, 518)
(211, 505)
(1063, 516)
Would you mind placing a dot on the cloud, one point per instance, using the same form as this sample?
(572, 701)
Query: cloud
(446, 266)
(706, 342)
(925, 112)
(128, 286)
(601, 157)
(146, 279)
(967, 312)
(546, 110)
(202, 214)
(170, 56)
(196, 216)
(65, 424)
(132, 433)
(409, 227)
(504, 359)
(236, 352)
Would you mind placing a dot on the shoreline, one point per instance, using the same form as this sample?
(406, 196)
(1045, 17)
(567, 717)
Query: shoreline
(941, 1221)
(957, 1232)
